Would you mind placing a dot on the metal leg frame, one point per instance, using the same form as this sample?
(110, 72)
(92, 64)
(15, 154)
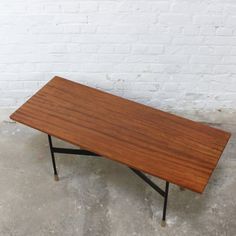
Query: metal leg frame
(53, 158)
(163, 193)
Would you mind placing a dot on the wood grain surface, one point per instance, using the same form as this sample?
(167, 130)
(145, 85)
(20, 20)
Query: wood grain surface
(170, 147)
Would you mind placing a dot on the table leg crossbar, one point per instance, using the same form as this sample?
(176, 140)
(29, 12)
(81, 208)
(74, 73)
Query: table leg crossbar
(163, 193)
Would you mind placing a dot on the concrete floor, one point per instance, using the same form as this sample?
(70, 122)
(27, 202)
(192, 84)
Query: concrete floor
(98, 197)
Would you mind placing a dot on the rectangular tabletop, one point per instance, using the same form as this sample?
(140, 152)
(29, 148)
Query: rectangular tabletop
(170, 147)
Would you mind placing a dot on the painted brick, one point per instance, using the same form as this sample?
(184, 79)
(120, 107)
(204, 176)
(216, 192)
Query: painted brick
(176, 55)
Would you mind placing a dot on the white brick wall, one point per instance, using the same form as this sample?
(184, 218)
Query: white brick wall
(178, 55)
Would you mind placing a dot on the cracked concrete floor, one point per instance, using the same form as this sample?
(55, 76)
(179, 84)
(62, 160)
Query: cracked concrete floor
(98, 197)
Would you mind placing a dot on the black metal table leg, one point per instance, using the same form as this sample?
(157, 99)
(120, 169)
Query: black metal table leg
(53, 159)
(54, 150)
(163, 223)
(163, 193)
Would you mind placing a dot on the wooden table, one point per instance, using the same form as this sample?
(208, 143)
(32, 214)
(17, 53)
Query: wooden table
(175, 149)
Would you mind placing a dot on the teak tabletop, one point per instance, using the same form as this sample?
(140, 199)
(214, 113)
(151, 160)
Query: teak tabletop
(170, 147)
